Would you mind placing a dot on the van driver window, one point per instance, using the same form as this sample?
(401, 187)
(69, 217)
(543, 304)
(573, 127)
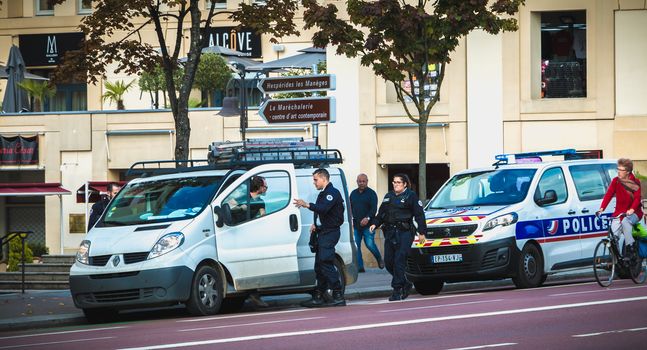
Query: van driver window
(258, 196)
(552, 179)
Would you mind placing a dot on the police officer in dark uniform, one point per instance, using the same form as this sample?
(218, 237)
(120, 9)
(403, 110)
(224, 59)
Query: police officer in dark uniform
(395, 215)
(329, 212)
(99, 207)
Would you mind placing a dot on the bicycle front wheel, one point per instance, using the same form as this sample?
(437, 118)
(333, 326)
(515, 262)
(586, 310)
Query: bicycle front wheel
(604, 263)
(638, 270)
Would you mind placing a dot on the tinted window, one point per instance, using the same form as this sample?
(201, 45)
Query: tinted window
(590, 181)
(246, 204)
(552, 179)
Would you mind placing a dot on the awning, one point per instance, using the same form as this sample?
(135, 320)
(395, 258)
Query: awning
(95, 189)
(32, 189)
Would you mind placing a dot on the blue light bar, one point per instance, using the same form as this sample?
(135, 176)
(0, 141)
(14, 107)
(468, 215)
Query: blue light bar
(535, 156)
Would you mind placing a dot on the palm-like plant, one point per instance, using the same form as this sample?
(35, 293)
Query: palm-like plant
(115, 92)
(38, 91)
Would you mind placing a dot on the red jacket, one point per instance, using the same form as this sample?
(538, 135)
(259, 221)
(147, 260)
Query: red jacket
(623, 199)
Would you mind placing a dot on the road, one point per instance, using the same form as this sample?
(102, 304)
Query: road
(559, 316)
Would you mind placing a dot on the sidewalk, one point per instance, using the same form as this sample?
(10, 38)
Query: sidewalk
(53, 308)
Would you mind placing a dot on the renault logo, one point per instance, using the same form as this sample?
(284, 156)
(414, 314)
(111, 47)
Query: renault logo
(116, 260)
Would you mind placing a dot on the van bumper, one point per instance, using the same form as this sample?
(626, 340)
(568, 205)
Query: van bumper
(162, 286)
(481, 261)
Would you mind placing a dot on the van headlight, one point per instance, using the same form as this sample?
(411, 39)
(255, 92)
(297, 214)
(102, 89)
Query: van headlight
(83, 254)
(166, 244)
(503, 220)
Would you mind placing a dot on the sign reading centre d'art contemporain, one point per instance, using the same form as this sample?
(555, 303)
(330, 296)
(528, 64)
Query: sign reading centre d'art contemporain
(48, 49)
(18, 150)
(243, 40)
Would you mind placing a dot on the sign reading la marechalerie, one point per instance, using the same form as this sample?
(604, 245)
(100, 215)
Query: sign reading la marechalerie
(298, 110)
(18, 150)
(299, 83)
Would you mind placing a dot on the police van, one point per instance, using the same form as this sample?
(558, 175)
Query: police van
(172, 236)
(523, 218)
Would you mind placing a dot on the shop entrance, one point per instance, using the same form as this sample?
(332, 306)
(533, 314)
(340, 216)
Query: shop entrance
(437, 174)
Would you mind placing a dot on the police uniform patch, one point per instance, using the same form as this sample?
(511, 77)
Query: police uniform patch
(386, 199)
(329, 197)
(420, 203)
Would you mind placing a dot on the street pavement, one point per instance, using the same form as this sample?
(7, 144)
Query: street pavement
(53, 308)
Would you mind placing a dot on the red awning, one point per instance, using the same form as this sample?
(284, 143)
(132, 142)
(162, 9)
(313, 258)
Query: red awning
(95, 189)
(32, 189)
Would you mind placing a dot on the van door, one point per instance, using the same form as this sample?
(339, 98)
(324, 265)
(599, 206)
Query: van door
(259, 246)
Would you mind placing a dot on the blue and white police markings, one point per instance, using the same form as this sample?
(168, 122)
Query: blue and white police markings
(329, 197)
(561, 228)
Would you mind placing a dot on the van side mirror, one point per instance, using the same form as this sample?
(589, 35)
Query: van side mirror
(223, 215)
(549, 197)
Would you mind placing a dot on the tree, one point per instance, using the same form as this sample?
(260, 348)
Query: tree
(213, 74)
(171, 20)
(400, 41)
(115, 92)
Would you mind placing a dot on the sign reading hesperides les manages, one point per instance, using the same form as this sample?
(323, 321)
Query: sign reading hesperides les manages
(298, 110)
(300, 83)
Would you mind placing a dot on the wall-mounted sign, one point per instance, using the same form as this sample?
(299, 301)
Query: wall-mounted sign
(298, 83)
(244, 40)
(18, 150)
(298, 110)
(48, 49)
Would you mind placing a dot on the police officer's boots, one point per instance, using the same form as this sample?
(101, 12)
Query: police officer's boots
(337, 299)
(316, 301)
(396, 295)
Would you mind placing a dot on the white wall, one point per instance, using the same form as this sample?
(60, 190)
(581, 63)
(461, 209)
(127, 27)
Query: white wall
(630, 59)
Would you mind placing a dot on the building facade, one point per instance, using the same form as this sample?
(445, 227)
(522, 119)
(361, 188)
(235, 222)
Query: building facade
(572, 76)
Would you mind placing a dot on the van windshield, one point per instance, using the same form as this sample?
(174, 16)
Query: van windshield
(161, 200)
(495, 187)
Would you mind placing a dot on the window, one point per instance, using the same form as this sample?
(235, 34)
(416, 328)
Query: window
(563, 54)
(220, 4)
(552, 179)
(44, 8)
(85, 6)
(589, 181)
(260, 195)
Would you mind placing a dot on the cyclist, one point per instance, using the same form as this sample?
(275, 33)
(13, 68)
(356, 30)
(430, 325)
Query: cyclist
(626, 188)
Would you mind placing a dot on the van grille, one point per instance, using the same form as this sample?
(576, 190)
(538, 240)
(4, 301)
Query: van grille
(117, 295)
(450, 231)
(489, 259)
(104, 276)
(131, 258)
(100, 260)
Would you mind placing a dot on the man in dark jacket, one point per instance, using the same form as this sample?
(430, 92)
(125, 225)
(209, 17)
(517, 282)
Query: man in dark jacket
(100, 206)
(363, 202)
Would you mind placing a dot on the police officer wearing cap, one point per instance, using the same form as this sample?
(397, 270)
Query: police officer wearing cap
(329, 210)
(397, 211)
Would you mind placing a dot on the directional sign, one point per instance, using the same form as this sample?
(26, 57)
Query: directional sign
(299, 83)
(298, 110)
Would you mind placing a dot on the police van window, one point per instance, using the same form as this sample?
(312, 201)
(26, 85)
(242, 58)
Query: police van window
(589, 181)
(612, 171)
(260, 195)
(552, 179)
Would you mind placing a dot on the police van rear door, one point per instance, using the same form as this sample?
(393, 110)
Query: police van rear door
(260, 249)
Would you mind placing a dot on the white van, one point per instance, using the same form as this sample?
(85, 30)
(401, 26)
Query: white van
(523, 219)
(172, 238)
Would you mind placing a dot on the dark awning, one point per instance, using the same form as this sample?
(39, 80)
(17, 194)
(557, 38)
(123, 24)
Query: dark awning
(32, 189)
(95, 189)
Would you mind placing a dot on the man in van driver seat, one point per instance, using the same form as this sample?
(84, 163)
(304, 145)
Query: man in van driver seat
(100, 206)
(329, 208)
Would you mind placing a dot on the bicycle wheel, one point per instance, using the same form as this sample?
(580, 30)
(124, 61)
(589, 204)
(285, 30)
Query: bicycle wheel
(604, 263)
(637, 269)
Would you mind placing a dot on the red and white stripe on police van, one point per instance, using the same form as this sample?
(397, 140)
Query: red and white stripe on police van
(455, 219)
(441, 242)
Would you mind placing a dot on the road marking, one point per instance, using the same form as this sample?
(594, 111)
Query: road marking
(385, 301)
(251, 324)
(597, 291)
(444, 305)
(485, 346)
(386, 324)
(614, 331)
(53, 342)
(201, 319)
(63, 332)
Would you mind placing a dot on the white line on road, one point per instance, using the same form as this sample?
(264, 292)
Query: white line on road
(485, 346)
(63, 332)
(614, 331)
(444, 305)
(53, 342)
(597, 291)
(387, 324)
(201, 319)
(381, 301)
(251, 324)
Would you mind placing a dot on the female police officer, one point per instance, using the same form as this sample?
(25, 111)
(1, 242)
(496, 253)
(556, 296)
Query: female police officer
(395, 216)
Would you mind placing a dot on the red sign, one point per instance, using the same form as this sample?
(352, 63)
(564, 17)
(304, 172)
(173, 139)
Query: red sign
(298, 110)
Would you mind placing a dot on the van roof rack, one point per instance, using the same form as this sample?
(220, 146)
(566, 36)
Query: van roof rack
(535, 157)
(303, 153)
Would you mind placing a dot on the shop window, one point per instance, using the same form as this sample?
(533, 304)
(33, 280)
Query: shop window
(220, 4)
(70, 96)
(563, 54)
(85, 6)
(44, 8)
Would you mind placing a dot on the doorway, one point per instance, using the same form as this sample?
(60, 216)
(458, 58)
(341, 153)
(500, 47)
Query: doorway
(437, 174)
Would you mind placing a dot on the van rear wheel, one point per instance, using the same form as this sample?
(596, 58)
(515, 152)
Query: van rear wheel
(429, 287)
(530, 268)
(206, 292)
(342, 274)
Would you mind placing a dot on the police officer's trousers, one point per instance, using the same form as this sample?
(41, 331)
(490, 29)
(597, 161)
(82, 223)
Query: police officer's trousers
(397, 245)
(327, 274)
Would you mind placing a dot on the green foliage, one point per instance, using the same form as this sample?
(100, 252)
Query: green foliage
(15, 254)
(321, 69)
(640, 176)
(212, 74)
(38, 90)
(39, 249)
(195, 103)
(115, 92)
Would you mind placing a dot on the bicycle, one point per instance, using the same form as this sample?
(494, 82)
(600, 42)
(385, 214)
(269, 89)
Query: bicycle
(607, 257)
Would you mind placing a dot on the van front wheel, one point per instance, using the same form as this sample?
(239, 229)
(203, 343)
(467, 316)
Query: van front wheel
(429, 287)
(530, 268)
(206, 292)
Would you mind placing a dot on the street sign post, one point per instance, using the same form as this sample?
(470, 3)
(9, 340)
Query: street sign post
(300, 83)
(298, 110)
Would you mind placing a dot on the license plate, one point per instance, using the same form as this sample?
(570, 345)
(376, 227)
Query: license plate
(446, 258)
